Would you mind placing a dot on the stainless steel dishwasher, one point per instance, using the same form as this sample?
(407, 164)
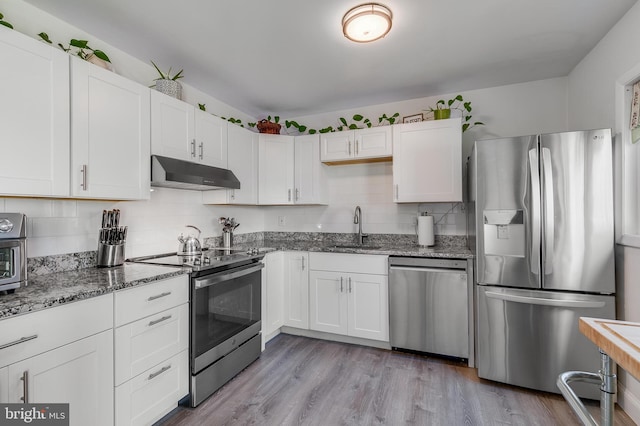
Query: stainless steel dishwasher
(430, 303)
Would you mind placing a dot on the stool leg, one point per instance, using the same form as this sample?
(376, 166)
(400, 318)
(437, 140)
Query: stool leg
(607, 389)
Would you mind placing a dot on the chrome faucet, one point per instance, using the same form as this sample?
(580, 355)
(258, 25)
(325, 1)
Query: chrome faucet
(357, 219)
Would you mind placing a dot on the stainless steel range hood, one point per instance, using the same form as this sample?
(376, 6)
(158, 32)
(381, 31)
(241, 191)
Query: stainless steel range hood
(172, 173)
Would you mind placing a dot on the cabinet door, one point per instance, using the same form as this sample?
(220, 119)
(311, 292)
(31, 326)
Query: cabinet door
(211, 139)
(373, 142)
(309, 171)
(368, 306)
(328, 302)
(34, 117)
(336, 146)
(427, 161)
(276, 162)
(109, 134)
(274, 280)
(242, 156)
(296, 290)
(80, 373)
(172, 123)
(4, 385)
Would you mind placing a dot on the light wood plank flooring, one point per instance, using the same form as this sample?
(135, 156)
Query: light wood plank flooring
(303, 381)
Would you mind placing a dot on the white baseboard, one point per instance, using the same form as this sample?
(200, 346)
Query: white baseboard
(629, 402)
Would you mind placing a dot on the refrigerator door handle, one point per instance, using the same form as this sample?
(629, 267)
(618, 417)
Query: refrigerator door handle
(535, 210)
(544, 301)
(549, 216)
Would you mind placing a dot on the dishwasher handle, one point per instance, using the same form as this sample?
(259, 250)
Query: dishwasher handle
(421, 269)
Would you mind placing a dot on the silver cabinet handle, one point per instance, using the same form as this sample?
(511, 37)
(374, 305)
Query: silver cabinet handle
(297, 194)
(396, 191)
(83, 171)
(356, 146)
(158, 296)
(233, 194)
(25, 386)
(17, 342)
(159, 372)
(193, 148)
(158, 321)
(349, 147)
(201, 150)
(302, 259)
(341, 287)
(289, 195)
(350, 288)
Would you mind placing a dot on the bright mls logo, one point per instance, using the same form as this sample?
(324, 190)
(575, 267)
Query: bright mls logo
(34, 414)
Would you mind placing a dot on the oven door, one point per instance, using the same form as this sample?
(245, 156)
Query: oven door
(225, 312)
(12, 264)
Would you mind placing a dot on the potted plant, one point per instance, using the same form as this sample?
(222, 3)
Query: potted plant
(84, 51)
(168, 84)
(443, 109)
(270, 127)
(5, 23)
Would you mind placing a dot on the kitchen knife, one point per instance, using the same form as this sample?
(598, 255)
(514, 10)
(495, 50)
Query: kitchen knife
(116, 219)
(104, 218)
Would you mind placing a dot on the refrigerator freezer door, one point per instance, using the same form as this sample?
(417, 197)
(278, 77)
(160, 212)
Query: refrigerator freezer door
(527, 338)
(506, 187)
(577, 206)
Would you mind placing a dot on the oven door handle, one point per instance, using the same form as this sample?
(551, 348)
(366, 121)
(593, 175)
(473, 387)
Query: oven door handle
(226, 275)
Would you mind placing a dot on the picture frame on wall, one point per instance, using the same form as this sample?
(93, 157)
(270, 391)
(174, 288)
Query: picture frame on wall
(412, 118)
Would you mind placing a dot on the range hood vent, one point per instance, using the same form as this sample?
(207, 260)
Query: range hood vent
(172, 173)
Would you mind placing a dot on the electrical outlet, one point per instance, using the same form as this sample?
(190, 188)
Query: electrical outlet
(281, 220)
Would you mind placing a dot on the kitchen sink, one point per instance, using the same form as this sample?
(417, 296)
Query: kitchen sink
(355, 246)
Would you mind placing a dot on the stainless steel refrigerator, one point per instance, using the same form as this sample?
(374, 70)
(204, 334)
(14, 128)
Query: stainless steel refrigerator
(544, 245)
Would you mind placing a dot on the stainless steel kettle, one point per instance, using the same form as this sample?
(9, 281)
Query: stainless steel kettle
(189, 245)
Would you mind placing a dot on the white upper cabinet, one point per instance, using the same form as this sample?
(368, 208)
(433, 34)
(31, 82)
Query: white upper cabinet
(290, 171)
(211, 139)
(34, 117)
(242, 160)
(109, 134)
(361, 145)
(178, 130)
(309, 172)
(276, 154)
(172, 132)
(427, 161)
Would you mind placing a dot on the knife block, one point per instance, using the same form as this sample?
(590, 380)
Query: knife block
(110, 255)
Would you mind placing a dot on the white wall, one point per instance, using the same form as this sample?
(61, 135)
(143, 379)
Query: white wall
(592, 95)
(519, 109)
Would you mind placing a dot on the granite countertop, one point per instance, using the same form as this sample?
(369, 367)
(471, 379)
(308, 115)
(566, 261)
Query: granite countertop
(77, 280)
(49, 290)
(386, 249)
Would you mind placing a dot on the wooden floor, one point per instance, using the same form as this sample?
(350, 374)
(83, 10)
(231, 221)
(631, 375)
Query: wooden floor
(303, 381)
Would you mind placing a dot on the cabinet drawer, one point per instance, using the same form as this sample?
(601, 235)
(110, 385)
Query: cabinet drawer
(342, 262)
(51, 328)
(146, 342)
(149, 396)
(140, 302)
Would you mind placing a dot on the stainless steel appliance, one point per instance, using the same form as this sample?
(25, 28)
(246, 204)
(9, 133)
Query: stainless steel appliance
(429, 304)
(173, 173)
(543, 233)
(225, 314)
(13, 251)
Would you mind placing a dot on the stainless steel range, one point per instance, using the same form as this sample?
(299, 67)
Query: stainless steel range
(225, 312)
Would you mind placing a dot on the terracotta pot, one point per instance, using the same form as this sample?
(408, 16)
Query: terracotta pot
(265, 126)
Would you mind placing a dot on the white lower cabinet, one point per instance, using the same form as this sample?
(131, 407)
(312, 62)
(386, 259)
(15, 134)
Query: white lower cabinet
(273, 294)
(80, 374)
(151, 350)
(146, 398)
(61, 355)
(296, 289)
(348, 294)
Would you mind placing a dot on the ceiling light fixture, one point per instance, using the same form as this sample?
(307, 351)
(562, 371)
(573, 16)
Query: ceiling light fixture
(367, 22)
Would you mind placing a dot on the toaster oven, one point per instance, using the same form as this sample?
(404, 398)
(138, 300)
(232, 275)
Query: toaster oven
(13, 251)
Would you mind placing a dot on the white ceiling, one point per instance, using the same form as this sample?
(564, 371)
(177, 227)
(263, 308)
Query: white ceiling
(289, 57)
